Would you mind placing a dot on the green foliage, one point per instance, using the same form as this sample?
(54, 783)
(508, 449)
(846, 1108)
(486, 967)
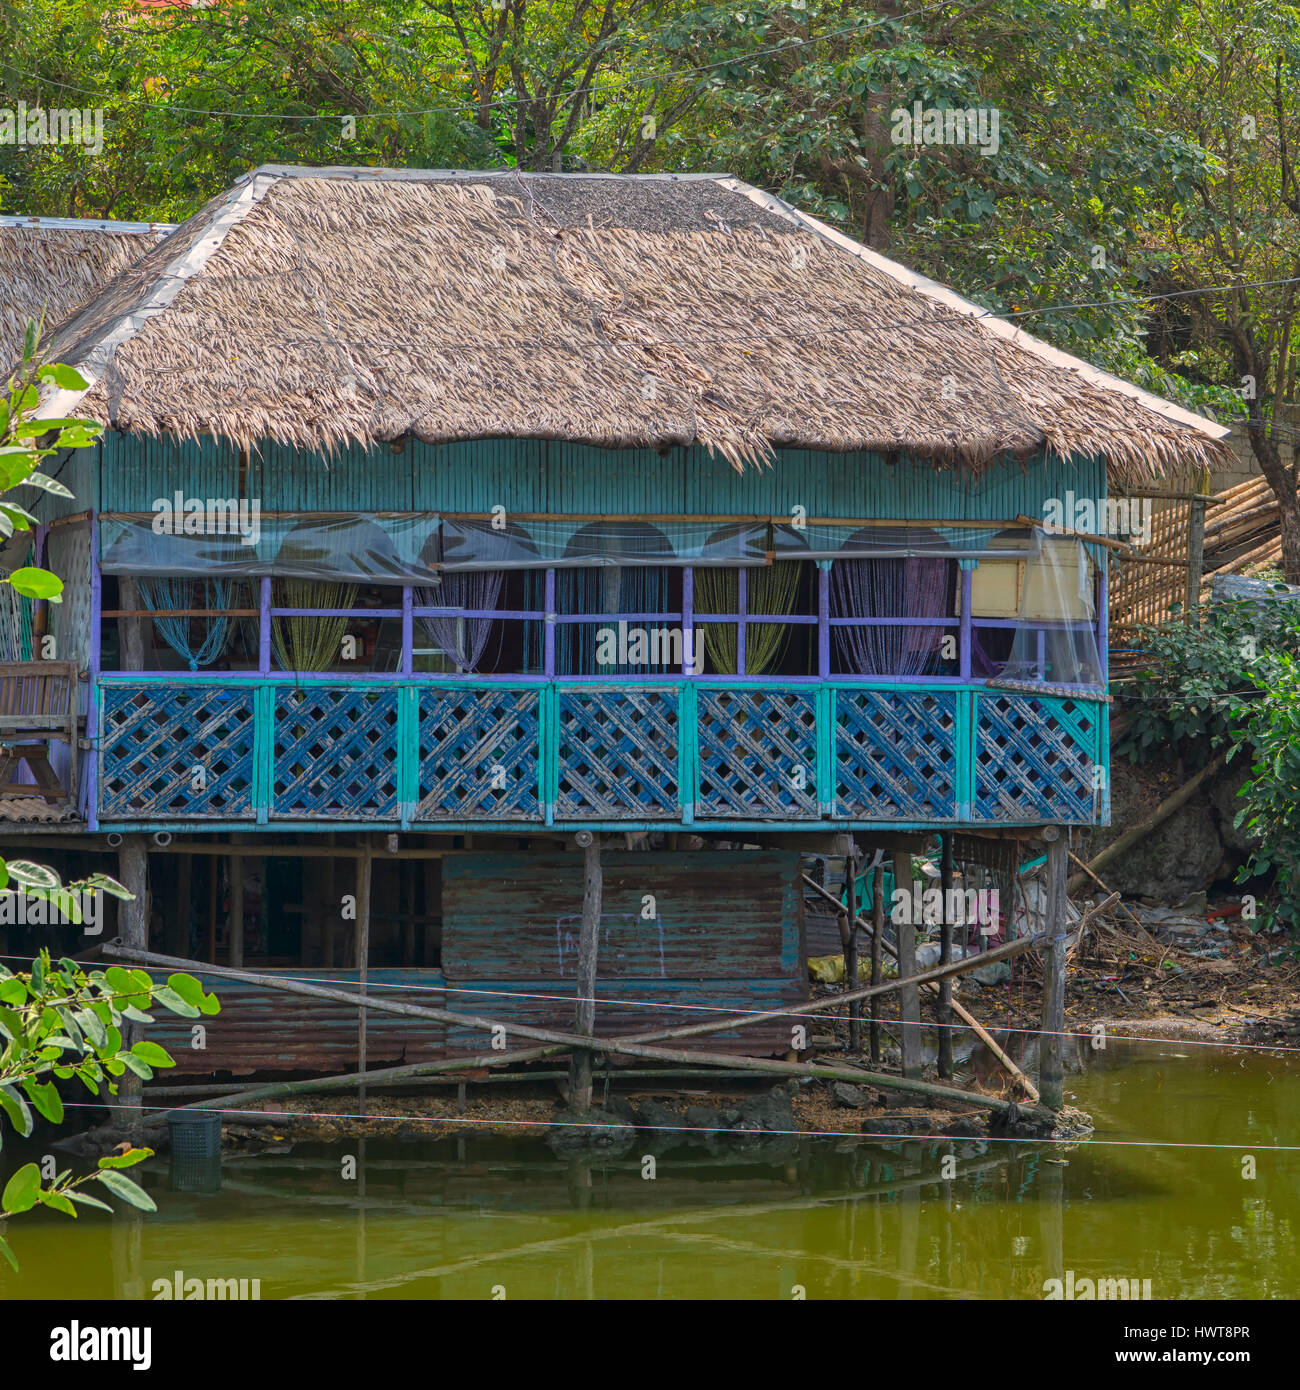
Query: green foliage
(1271, 795)
(1192, 688)
(59, 1022)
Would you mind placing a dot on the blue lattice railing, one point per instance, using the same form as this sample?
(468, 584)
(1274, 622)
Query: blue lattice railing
(703, 753)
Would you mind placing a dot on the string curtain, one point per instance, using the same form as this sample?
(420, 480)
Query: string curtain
(179, 632)
(771, 590)
(313, 643)
(461, 640)
(916, 587)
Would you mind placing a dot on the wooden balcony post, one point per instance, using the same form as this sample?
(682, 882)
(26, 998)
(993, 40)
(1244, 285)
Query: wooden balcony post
(1051, 1074)
(588, 945)
(909, 999)
(133, 928)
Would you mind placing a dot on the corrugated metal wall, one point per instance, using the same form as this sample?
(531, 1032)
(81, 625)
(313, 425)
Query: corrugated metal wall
(725, 931)
(539, 476)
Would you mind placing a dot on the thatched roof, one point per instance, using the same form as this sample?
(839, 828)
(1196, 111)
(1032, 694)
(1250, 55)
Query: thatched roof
(53, 266)
(322, 307)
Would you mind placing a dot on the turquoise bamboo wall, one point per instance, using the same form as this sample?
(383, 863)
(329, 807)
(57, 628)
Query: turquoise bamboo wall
(542, 476)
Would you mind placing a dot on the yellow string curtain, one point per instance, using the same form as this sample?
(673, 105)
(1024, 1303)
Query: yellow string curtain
(770, 590)
(314, 643)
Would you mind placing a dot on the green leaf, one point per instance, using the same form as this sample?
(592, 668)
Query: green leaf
(8, 1253)
(65, 378)
(151, 1053)
(58, 1201)
(127, 1160)
(46, 484)
(17, 1109)
(44, 1096)
(21, 1190)
(13, 991)
(168, 998)
(87, 1200)
(141, 1069)
(91, 1026)
(33, 875)
(35, 583)
(122, 1186)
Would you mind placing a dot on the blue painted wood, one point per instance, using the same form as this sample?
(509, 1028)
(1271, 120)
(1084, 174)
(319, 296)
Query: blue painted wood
(1035, 757)
(336, 752)
(617, 752)
(479, 754)
(176, 752)
(757, 753)
(896, 754)
(708, 753)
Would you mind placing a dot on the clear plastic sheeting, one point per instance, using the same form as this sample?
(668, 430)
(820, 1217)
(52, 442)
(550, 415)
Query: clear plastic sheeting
(824, 541)
(411, 548)
(1055, 638)
(333, 546)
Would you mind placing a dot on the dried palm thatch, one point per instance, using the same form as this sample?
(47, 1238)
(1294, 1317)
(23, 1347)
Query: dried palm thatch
(50, 267)
(326, 307)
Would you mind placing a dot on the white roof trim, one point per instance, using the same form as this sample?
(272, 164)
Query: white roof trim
(87, 224)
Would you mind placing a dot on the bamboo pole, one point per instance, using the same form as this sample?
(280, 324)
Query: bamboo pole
(632, 1045)
(363, 967)
(877, 940)
(969, 1019)
(909, 1003)
(1051, 1074)
(945, 955)
(588, 946)
(851, 948)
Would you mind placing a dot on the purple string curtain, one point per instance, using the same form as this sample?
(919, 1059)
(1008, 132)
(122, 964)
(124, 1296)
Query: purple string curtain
(917, 587)
(461, 639)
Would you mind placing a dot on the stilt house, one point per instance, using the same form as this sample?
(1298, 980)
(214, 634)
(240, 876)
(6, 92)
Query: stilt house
(443, 518)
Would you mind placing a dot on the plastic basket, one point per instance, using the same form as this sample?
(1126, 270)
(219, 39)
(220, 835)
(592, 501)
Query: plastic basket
(195, 1133)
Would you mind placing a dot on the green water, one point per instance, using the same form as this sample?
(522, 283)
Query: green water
(478, 1217)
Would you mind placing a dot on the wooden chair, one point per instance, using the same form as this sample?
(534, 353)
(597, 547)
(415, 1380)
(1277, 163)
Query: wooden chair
(38, 705)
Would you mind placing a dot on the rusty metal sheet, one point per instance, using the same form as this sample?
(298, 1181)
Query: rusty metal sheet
(713, 915)
(634, 1007)
(262, 1029)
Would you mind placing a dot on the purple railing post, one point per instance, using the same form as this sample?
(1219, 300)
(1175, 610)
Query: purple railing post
(688, 619)
(408, 630)
(92, 692)
(742, 592)
(264, 627)
(548, 627)
(967, 631)
(823, 619)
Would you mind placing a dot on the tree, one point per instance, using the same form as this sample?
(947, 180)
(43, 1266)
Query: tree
(1236, 90)
(58, 1021)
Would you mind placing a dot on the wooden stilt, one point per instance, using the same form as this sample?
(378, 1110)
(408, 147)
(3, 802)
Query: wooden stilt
(363, 967)
(877, 946)
(944, 1011)
(588, 946)
(851, 948)
(1051, 1075)
(909, 1001)
(133, 926)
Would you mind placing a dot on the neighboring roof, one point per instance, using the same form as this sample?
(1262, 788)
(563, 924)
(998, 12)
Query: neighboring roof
(54, 265)
(323, 307)
(35, 810)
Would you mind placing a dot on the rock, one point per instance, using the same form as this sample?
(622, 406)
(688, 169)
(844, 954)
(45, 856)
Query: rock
(1022, 1122)
(898, 1124)
(623, 1108)
(704, 1120)
(772, 1113)
(965, 1128)
(655, 1115)
(996, 974)
(849, 1096)
(595, 1132)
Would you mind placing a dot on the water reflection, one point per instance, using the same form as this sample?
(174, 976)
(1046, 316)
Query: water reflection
(482, 1217)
